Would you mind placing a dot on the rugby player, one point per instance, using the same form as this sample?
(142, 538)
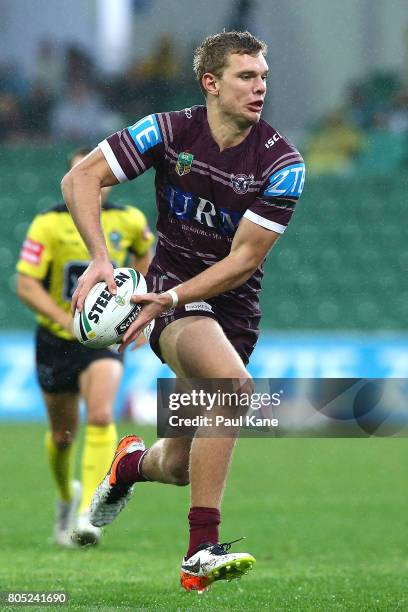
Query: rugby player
(226, 187)
(51, 260)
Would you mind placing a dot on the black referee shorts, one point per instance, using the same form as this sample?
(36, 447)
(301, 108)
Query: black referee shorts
(60, 362)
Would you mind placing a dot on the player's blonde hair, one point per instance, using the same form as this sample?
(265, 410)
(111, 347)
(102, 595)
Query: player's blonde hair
(212, 54)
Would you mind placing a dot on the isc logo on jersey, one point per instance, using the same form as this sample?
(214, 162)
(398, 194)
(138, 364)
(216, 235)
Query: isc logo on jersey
(105, 317)
(287, 182)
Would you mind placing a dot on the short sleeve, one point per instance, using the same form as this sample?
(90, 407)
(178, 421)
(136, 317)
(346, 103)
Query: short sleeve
(36, 252)
(282, 187)
(138, 147)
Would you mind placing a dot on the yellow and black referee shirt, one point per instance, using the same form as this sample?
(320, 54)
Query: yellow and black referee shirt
(55, 254)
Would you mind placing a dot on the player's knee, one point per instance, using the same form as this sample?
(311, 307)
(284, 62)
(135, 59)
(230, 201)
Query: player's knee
(242, 391)
(242, 380)
(247, 386)
(63, 439)
(100, 417)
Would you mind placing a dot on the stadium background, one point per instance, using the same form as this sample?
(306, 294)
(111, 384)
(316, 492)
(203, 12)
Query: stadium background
(335, 298)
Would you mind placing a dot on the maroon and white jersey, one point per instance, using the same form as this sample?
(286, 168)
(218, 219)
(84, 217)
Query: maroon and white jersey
(203, 193)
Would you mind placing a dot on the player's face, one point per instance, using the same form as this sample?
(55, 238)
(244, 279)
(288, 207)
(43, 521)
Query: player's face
(242, 88)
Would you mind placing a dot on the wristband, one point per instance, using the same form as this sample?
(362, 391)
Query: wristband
(174, 297)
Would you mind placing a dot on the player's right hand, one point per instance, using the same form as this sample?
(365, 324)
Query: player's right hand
(98, 270)
(153, 304)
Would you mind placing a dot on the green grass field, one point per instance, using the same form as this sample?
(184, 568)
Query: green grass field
(326, 520)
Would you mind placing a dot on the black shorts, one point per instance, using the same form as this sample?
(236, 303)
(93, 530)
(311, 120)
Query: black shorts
(241, 329)
(60, 362)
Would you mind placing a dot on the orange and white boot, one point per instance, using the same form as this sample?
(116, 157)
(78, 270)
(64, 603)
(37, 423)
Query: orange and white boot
(112, 496)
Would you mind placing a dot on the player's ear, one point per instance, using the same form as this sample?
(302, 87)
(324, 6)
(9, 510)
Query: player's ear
(210, 83)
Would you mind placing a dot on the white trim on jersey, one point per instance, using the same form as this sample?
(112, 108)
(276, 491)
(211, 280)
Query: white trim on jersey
(112, 161)
(272, 225)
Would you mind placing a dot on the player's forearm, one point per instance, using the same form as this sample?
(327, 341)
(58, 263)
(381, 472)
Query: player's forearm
(32, 293)
(229, 273)
(81, 193)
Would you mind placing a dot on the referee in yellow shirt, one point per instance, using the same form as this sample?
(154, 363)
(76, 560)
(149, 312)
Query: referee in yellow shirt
(52, 258)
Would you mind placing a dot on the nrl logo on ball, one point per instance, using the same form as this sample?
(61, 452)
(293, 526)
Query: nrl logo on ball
(184, 163)
(241, 182)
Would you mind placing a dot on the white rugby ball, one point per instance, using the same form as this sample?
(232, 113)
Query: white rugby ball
(105, 318)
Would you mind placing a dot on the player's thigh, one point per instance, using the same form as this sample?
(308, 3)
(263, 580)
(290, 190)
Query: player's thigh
(62, 411)
(99, 383)
(196, 347)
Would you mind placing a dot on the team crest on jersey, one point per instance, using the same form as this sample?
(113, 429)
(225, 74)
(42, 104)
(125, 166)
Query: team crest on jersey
(241, 182)
(184, 163)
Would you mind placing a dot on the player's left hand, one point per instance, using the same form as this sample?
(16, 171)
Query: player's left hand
(153, 305)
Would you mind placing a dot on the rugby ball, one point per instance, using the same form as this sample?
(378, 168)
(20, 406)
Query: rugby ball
(105, 317)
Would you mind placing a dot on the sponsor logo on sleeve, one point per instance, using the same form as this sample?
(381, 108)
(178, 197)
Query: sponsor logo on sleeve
(287, 182)
(31, 252)
(145, 133)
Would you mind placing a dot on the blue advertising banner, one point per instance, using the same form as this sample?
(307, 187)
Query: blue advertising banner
(308, 355)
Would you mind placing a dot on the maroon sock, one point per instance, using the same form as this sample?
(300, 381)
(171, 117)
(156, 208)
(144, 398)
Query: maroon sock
(203, 527)
(130, 468)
